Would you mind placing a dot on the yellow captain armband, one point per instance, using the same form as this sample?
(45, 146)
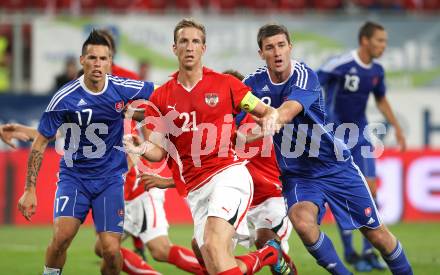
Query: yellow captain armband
(249, 102)
(155, 86)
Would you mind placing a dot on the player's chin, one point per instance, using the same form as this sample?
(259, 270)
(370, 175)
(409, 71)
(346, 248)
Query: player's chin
(279, 67)
(188, 65)
(97, 77)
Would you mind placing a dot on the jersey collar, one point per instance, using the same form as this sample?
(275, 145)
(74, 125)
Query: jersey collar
(292, 69)
(204, 72)
(358, 60)
(83, 85)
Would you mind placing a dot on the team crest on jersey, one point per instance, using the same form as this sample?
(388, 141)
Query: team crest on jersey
(368, 211)
(119, 106)
(375, 80)
(211, 99)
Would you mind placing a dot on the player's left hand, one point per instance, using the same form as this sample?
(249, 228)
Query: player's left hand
(151, 181)
(401, 141)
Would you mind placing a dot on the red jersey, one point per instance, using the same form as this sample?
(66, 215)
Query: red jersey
(263, 168)
(199, 124)
(132, 188)
(122, 72)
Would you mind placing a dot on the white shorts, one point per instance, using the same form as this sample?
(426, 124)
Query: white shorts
(228, 196)
(145, 216)
(271, 214)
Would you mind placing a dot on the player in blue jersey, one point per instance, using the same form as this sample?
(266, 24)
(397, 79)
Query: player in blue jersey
(316, 168)
(348, 80)
(89, 112)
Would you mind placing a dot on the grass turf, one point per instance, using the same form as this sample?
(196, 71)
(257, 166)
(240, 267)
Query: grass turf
(22, 250)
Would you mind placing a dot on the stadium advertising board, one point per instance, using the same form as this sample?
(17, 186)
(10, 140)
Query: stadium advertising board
(408, 190)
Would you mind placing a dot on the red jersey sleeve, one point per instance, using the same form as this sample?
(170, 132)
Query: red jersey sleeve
(154, 120)
(238, 91)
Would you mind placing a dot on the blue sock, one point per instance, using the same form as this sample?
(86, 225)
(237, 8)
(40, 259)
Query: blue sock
(325, 255)
(347, 241)
(368, 247)
(397, 261)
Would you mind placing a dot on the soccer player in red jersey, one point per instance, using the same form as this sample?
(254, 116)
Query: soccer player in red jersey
(145, 219)
(197, 105)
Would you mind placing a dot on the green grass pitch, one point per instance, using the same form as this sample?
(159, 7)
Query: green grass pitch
(22, 250)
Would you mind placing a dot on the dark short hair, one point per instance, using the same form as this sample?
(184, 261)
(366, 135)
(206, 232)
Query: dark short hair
(111, 40)
(95, 38)
(367, 30)
(269, 30)
(189, 23)
(235, 74)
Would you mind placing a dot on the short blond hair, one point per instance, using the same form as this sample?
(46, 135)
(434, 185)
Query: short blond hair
(189, 23)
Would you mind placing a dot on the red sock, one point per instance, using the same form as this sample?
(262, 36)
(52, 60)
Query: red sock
(184, 259)
(233, 271)
(133, 264)
(255, 261)
(137, 242)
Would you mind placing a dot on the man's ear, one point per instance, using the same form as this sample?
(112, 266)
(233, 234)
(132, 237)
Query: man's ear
(175, 49)
(260, 52)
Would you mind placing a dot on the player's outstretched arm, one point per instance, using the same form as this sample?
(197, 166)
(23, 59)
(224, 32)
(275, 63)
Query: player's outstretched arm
(147, 149)
(275, 119)
(271, 119)
(8, 132)
(151, 181)
(27, 203)
(255, 134)
(385, 108)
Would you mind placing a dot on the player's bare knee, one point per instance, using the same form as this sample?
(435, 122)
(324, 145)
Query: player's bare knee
(380, 238)
(60, 243)
(303, 227)
(160, 253)
(264, 235)
(98, 248)
(213, 248)
(110, 254)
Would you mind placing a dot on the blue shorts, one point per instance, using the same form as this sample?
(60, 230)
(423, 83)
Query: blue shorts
(75, 196)
(366, 165)
(345, 192)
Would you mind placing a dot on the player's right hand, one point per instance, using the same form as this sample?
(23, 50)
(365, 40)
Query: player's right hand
(270, 123)
(27, 204)
(132, 145)
(9, 132)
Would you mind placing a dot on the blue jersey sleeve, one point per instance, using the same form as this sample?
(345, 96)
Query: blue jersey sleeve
(306, 91)
(324, 77)
(328, 71)
(132, 89)
(380, 88)
(50, 122)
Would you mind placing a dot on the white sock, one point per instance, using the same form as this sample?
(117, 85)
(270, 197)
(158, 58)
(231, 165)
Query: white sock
(51, 271)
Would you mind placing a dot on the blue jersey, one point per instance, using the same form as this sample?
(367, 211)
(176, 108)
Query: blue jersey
(93, 124)
(304, 147)
(348, 83)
